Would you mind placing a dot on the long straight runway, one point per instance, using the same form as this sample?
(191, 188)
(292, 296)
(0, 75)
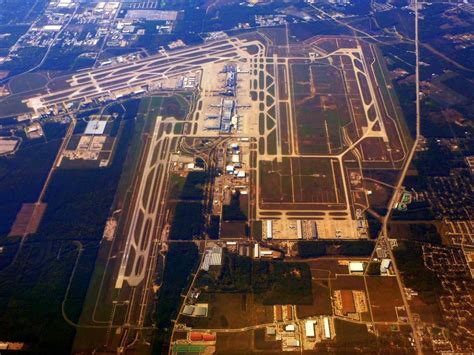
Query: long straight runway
(105, 82)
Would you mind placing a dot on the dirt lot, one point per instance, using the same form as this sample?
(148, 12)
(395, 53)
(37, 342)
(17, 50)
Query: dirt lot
(384, 297)
(240, 342)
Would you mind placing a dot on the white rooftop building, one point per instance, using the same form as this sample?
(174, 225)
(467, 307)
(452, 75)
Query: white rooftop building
(293, 342)
(309, 328)
(327, 328)
(213, 257)
(95, 127)
(269, 229)
(52, 28)
(356, 266)
(385, 265)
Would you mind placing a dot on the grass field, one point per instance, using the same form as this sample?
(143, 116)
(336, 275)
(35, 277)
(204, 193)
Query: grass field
(176, 106)
(320, 107)
(26, 82)
(352, 335)
(314, 249)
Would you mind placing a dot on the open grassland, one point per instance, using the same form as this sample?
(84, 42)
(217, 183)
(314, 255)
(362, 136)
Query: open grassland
(320, 107)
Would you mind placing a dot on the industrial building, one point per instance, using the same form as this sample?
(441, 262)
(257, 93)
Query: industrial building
(278, 313)
(271, 331)
(293, 343)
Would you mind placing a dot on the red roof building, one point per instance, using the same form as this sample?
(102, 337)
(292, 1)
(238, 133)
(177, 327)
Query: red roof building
(348, 304)
(195, 337)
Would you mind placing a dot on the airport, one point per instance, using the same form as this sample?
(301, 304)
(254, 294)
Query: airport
(247, 118)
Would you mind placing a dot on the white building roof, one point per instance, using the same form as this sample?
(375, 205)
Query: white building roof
(299, 228)
(327, 328)
(213, 257)
(309, 328)
(386, 263)
(188, 310)
(256, 250)
(269, 229)
(356, 266)
(52, 27)
(293, 342)
(271, 330)
(95, 127)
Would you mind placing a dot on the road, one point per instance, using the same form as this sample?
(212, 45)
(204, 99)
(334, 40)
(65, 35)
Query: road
(384, 234)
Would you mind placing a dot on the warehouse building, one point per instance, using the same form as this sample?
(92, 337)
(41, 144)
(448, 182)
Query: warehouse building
(309, 326)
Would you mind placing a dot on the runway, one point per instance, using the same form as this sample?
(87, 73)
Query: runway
(107, 82)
